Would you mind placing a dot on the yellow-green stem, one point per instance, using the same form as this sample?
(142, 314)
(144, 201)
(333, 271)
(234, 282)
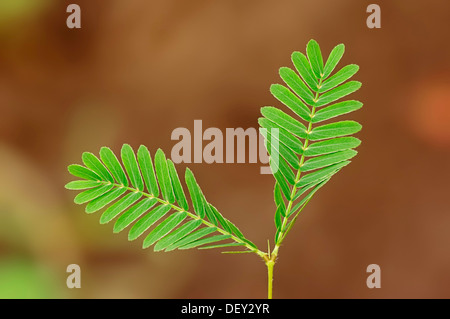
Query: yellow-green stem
(270, 263)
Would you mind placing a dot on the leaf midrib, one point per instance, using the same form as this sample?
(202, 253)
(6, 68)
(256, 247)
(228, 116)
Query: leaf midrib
(191, 215)
(299, 172)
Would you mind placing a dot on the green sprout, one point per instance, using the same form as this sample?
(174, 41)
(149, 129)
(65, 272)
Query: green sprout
(148, 193)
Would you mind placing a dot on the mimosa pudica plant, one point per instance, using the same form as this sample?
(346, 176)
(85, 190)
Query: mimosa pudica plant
(147, 195)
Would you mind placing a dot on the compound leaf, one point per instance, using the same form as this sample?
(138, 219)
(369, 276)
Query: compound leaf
(118, 188)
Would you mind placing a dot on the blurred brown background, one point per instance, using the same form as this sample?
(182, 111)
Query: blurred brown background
(138, 69)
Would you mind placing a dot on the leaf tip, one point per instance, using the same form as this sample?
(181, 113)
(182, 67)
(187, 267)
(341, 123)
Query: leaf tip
(126, 148)
(86, 155)
(67, 186)
(160, 152)
(295, 54)
(274, 87)
(261, 120)
(283, 70)
(77, 200)
(142, 148)
(312, 43)
(188, 172)
(341, 46)
(145, 245)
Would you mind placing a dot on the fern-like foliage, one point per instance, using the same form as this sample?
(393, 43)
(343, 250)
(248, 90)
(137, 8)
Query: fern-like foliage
(306, 149)
(150, 198)
(308, 153)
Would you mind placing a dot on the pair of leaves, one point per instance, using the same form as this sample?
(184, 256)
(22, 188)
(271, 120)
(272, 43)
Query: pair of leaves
(304, 154)
(308, 154)
(150, 195)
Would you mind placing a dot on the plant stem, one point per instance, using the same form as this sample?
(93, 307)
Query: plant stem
(270, 263)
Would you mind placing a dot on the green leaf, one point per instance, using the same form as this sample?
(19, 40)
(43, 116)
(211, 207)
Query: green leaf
(284, 136)
(277, 234)
(315, 58)
(249, 242)
(326, 160)
(284, 151)
(334, 130)
(133, 213)
(146, 165)
(83, 172)
(305, 200)
(104, 200)
(285, 96)
(296, 84)
(131, 166)
(278, 197)
(91, 194)
(191, 238)
(92, 162)
(278, 217)
(176, 185)
(147, 221)
(331, 146)
(333, 59)
(304, 189)
(164, 228)
(283, 184)
(204, 241)
(321, 174)
(220, 219)
(209, 213)
(289, 157)
(110, 160)
(119, 206)
(76, 185)
(104, 190)
(195, 192)
(283, 168)
(336, 110)
(221, 245)
(235, 252)
(338, 93)
(235, 230)
(284, 120)
(163, 176)
(303, 67)
(340, 77)
(177, 234)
